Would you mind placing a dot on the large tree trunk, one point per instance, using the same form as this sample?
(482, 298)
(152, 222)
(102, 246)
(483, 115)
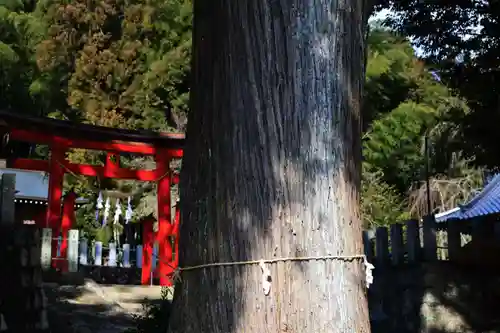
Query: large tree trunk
(271, 168)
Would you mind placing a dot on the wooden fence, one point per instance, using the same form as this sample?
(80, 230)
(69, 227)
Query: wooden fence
(83, 252)
(414, 241)
(403, 243)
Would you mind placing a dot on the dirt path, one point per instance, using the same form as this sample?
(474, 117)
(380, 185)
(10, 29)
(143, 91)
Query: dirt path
(93, 308)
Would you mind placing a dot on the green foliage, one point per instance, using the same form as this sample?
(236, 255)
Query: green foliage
(461, 39)
(392, 144)
(122, 64)
(127, 65)
(403, 104)
(20, 31)
(114, 63)
(85, 221)
(389, 73)
(381, 204)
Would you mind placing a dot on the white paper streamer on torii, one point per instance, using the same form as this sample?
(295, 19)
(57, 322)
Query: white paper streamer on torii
(116, 219)
(129, 211)
(107, 206)
(118, 211)
(368, 273)
(100, 201)
(98, 206)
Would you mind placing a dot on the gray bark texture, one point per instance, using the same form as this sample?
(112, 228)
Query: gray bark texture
(272, 168)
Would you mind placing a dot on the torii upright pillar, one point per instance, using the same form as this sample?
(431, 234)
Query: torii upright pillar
(67, 222)
(56, 176)
(165, 227)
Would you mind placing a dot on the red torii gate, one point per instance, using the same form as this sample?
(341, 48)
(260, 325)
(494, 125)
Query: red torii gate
(60, 136)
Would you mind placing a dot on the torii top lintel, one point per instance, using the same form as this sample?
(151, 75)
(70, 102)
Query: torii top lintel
(52, 131)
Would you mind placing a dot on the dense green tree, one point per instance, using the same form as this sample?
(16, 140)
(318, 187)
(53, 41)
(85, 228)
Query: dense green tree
(117, 64)
(120, 64)
(461, 39)
(21, 29)
(127, 65)
(381, 204)
(20, 32)
(403, 104)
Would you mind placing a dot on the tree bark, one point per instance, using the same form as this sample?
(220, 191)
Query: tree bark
(271, 168)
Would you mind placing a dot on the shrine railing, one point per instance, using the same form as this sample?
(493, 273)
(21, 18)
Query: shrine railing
(138, 263)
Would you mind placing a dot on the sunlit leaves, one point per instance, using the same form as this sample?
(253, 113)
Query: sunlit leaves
(403, 103)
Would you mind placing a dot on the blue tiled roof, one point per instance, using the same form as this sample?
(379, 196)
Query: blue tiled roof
(485, 203)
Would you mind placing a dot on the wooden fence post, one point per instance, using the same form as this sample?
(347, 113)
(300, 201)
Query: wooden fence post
(112, 254)
(7, 199)
(126, 255)
(98, 254)
(9, 279)
(84, 251)
(138, 256)
(72, 250)
(430, 243)
(46, 248)
(367, 242)
(397, 249)
(413, 246)
(454, 241)
(381, 247)
(154, 256)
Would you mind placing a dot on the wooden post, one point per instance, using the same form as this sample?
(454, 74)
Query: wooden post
(368, 236)
(126, 255)
(98, 254)
(112, 254)
(430, 244)
(381, 247)
(7, 199)
(36, 250)
(73, 250)
(10, 288)
(154, 258)
(138, 256)
(454, 242)
(413, 241)
(46, 248)
(67, 222)
(397, 249)
(83, 251)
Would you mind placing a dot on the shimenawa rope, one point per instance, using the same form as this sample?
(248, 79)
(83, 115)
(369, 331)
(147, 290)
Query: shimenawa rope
(266, 273)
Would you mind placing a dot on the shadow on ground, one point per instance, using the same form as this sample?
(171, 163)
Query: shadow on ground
(429, 298)
(85, 306)
(436, 298)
